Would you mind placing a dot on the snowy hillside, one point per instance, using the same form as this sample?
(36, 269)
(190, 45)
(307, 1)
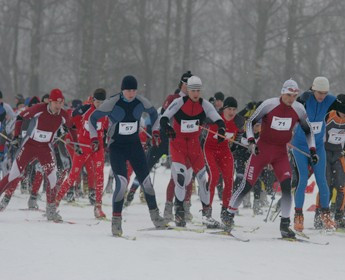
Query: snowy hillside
(32, 248)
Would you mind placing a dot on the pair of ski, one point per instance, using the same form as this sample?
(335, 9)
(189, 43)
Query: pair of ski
(180, 229)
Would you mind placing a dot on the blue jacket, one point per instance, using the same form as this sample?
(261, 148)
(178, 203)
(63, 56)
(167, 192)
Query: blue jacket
(316, 112)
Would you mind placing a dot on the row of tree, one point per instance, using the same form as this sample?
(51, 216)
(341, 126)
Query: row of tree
(245, 48)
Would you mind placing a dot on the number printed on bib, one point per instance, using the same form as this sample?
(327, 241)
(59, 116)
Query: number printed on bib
(316, 127)
(42, 136)
(336, 136)
(282, 124)
(128, 128)
(189, 126)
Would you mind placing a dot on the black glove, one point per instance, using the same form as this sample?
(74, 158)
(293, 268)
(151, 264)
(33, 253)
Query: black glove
(170, 132)
(252, 148)
(78, 150)
(221, 134)
(313, 156)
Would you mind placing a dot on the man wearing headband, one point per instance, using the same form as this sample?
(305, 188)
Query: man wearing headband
(279, 115)
(189, 113)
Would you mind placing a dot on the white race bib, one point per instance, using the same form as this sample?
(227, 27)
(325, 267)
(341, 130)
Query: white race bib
(316, 127)
(189, 126)
(42, 136)
(87, 125)
(23, 133)
(128, 128)
(282, 124)
(336, 136)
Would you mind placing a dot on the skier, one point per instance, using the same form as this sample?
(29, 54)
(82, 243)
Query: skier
(124, 111)
(93, 160)
(168, 210)
(335, 169)
(189, 112)
(218, 156)
(46, 120)
(279, 116)
(317, 103)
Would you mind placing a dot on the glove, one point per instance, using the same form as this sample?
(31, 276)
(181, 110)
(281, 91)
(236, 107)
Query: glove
(156, 138)
(170, 132)
(94, 144)
(313, 156)
(78, 150)
(221, 134)
(252, 148)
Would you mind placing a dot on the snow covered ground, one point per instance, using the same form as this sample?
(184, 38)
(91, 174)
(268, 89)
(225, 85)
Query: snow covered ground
(30, 249)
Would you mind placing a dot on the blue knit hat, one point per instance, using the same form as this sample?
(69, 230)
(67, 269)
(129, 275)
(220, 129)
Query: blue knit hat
(129, 82)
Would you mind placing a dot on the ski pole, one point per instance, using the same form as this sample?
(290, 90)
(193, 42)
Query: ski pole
(230, 140)
(272, 199)
(298, 150)
(68, 142)
(148, 134)
(5, 137)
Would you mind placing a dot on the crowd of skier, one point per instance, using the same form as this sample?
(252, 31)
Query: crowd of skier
(274, 144)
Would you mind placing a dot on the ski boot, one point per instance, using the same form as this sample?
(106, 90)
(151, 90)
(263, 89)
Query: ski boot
(339, 219)
(99, 214)
(32, 202)
(207, 219)
(116, 227)
(188, 215)
(298, 220)
(52, 214)
(326, 219)
(285, 230)
(158, 221)
(257, 207)
(317, 219)
(92, 196)
(168, 211)
(227, 219)
(4, 202)
(179, 215)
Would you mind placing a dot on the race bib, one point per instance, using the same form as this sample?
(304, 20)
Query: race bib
(128, 128)
(316, 127)
(87, 125)
(42, 136)
(189, 126)
(228, 135)
(336, 136)
(282, 124)
(23, 133)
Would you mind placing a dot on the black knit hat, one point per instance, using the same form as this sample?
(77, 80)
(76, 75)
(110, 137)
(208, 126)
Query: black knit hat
(219, 96)
(100, 94)
(186, 76)
(34, 100)
(230, 102)
(76, 103)
(44, 97)
(129, 82)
